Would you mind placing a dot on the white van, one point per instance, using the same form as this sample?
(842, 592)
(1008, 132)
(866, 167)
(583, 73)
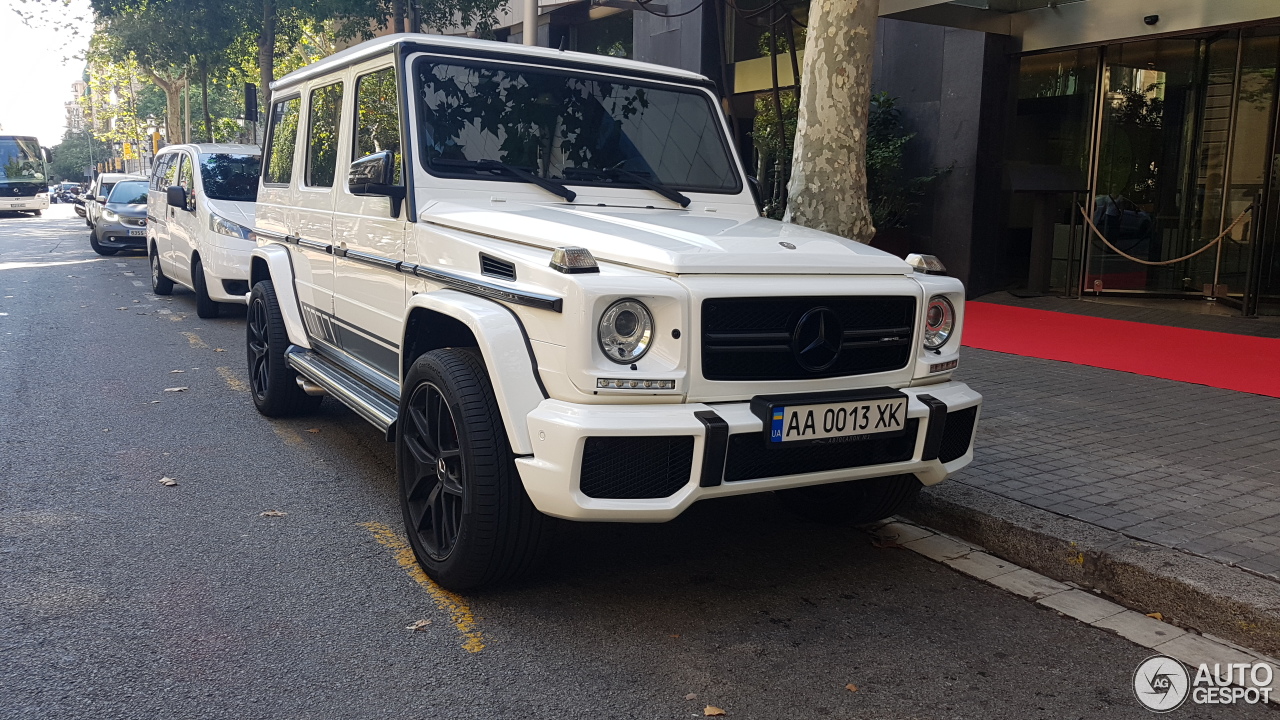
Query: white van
(200, 215)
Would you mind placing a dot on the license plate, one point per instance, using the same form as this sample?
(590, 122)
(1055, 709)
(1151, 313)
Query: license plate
(137, 233)
(837, 421)
(16, 204)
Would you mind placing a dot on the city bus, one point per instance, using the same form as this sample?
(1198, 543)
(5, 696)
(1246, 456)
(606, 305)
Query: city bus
(24, 175)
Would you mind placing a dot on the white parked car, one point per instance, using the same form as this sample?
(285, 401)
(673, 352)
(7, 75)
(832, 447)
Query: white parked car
(543, 275)
(200, 212)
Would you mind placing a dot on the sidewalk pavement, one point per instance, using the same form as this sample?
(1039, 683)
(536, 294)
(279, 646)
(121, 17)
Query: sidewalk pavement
(1191, 468)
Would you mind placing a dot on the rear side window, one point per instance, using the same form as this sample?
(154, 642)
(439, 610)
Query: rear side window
(157, 173)
(323, 115)
(278, 170)
(377, 116)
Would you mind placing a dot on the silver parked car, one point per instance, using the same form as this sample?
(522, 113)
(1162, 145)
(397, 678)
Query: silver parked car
(122, 223)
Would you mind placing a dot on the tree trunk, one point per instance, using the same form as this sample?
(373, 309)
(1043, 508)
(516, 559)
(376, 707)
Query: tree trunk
(172, 105)
(828, 189)
(204, 100)
(397, 16)
(267, 54)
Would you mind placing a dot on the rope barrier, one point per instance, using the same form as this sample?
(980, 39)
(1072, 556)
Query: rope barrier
(1089, 221)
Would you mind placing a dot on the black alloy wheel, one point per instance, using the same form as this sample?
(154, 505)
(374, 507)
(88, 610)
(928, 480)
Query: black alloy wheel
(272, 383)
(468, 517)
(434, 498)
(258, 346)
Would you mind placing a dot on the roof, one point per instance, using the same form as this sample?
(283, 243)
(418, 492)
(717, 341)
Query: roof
(378, 46)
(117, 177)
(218, 148)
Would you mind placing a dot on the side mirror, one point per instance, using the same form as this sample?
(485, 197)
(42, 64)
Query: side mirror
(176, 196)
(374, 175)
(100, 198)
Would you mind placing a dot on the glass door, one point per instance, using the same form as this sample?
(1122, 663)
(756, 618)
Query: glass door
(1161, 174)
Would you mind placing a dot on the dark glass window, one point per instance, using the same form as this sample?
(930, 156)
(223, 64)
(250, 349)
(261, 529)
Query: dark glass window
(284, 137)
(133, 192)
(230, 176)
(377, 116)
(323, 117)
(569, 127)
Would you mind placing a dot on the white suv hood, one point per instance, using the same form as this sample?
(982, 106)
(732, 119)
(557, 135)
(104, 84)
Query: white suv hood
(671, 241)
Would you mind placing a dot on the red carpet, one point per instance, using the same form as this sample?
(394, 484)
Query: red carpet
(1232, 362)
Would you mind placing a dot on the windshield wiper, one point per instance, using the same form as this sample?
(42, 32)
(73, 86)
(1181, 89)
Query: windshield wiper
(549, 185)
(674, 196)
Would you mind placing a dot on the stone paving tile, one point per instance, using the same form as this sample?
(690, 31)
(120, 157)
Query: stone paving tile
(1186, 466)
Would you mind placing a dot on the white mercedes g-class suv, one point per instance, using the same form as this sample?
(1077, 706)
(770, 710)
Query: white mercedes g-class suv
(543, 275)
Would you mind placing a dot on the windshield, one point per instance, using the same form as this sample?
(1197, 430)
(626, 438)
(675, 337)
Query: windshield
(131, 192)
(230, 176)
(571, 128)
(20, 160)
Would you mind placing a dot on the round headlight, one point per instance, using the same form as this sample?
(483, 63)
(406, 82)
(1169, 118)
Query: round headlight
(939, 320)
(625, 331)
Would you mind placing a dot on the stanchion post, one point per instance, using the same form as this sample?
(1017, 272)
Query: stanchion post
(1253, 273)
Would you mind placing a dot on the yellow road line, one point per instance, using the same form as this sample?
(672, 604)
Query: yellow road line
(195, 340)
(455, 605)
(287, 435)
(233, 382)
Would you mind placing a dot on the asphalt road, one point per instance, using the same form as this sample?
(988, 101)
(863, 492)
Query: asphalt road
(121, 597)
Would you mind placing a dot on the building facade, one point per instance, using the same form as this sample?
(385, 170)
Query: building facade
(1088, 145)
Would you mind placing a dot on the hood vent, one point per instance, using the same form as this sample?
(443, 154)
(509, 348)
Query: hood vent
(493, 267)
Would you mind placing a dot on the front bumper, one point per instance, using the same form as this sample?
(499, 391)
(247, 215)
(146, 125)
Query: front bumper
(227, 272)
(559, 433)
(20, 204)
(117, 235)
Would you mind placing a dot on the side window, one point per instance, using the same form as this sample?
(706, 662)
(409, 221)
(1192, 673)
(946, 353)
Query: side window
(377, 116)
(170, 171)
(184, 173)
(157, 172)
(278, 169)
(323, 113)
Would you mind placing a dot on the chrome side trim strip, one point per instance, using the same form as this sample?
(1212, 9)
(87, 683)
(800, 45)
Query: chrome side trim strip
(377, 260)
(490, 290)
(368, 403)
(313, 244)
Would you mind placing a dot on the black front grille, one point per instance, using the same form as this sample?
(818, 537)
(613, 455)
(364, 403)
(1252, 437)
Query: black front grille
(630, 468)
(752, 338)
(750, 459)
(957, 434)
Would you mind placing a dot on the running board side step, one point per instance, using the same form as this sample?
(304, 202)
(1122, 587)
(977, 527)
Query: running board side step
(353, 392)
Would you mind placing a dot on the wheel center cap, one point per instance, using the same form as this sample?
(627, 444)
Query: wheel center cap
(442, 469)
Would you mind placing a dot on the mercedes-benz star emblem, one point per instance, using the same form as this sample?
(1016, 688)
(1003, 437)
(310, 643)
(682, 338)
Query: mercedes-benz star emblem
(442, 470)
(816, 339)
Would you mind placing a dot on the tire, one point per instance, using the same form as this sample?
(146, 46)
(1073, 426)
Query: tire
(160, 284)
(272, 383)
(37, 213)
(466, 512)
(104, 251)
(856, 502)
(206, 307)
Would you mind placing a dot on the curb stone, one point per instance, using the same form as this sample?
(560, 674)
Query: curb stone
(1069, 600)
(1189, 591)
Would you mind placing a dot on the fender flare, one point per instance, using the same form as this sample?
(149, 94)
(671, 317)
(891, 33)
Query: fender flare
(280, 267)
(506, 351)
